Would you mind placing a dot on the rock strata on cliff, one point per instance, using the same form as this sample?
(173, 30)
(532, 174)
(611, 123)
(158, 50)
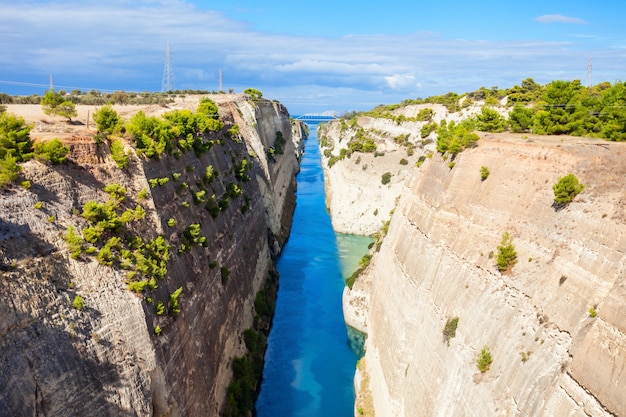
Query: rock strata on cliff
(553, 323)
(117, 354)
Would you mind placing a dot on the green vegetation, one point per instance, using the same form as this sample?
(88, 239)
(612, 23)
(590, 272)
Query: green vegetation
(363, 263)
(74, 242)
(159, 308)
(520, 118)
(592, 312)
(191, 236)
(565, 189)
(52, 151)
(507, 256)
(247, 370)
(386, 178)
(207, 107)
(484, 173)
(38, 205)
(178, 130)
(360, 142)
(107, 120)
(449, 331)
(78, 303)
(54, 104)
(454, 138)
(489, 120)
(173, 304)
(118, 154)
(279, 143)
(224, 274)
(255, 95)
(15, 146)
(484, 360)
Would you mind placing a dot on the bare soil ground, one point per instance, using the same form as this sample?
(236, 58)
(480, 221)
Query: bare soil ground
(82, 126)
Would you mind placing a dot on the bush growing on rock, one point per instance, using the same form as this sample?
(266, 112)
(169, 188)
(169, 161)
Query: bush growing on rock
(118, 154)
(386, 178)
(107, 120)
(454, 138)
(565, 189)
(484, 360)
(449, 331)
(78, 302)
(484, 173)
(507, 256)
(489, 120)
(53, 151)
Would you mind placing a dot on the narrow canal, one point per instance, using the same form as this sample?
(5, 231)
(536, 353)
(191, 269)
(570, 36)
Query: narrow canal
(309, 366)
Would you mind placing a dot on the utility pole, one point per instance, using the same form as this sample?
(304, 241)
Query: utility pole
(220, 85)
(168, 75)
(589, 84)
(51, 87)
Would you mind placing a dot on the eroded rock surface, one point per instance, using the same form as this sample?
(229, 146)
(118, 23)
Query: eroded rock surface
(551, 357)
(105, 359)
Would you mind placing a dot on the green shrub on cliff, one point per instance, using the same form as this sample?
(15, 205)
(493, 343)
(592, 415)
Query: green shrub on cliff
(484, 173)
(53, 151)
(507, 256)
(78, 302)
(118, 154)
(449, 331)
(74, 242)
(566, 189)
(489, 120)
(455, 137)
(107, 120)
(484, 360)
(255, 95)
(173, 304)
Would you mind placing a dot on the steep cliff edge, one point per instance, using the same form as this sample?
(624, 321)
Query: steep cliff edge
(554, 323)
(119, 354)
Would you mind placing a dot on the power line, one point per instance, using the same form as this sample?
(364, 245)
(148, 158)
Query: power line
(65, 87)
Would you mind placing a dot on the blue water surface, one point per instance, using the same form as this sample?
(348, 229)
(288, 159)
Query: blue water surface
(309, 366)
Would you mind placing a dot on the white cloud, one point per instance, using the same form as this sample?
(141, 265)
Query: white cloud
(120, 44)
(401, 81)
(558, 18)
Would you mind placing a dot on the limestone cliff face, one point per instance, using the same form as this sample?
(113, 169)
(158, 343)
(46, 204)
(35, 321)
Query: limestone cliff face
(105, 359)
(550, 356)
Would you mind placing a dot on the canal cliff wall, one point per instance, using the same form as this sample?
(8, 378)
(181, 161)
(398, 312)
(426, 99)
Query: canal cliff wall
(553, 323)
(167, 348)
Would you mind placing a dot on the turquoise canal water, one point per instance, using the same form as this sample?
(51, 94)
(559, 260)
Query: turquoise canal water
(310, 365)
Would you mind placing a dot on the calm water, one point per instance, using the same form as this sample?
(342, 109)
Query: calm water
(309, 364)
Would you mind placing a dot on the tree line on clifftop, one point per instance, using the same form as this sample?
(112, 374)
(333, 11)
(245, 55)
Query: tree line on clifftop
(556, 108)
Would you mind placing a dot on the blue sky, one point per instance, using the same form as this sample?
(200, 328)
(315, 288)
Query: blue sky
(312, 56)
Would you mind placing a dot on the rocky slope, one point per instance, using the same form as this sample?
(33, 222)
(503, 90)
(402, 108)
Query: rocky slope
(551, 356)
(106, 358)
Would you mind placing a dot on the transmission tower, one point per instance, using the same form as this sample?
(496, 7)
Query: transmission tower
(168, 75)
(220, 86)
(589, 84)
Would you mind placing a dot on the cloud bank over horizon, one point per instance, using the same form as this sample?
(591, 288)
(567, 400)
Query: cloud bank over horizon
(120, 45)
